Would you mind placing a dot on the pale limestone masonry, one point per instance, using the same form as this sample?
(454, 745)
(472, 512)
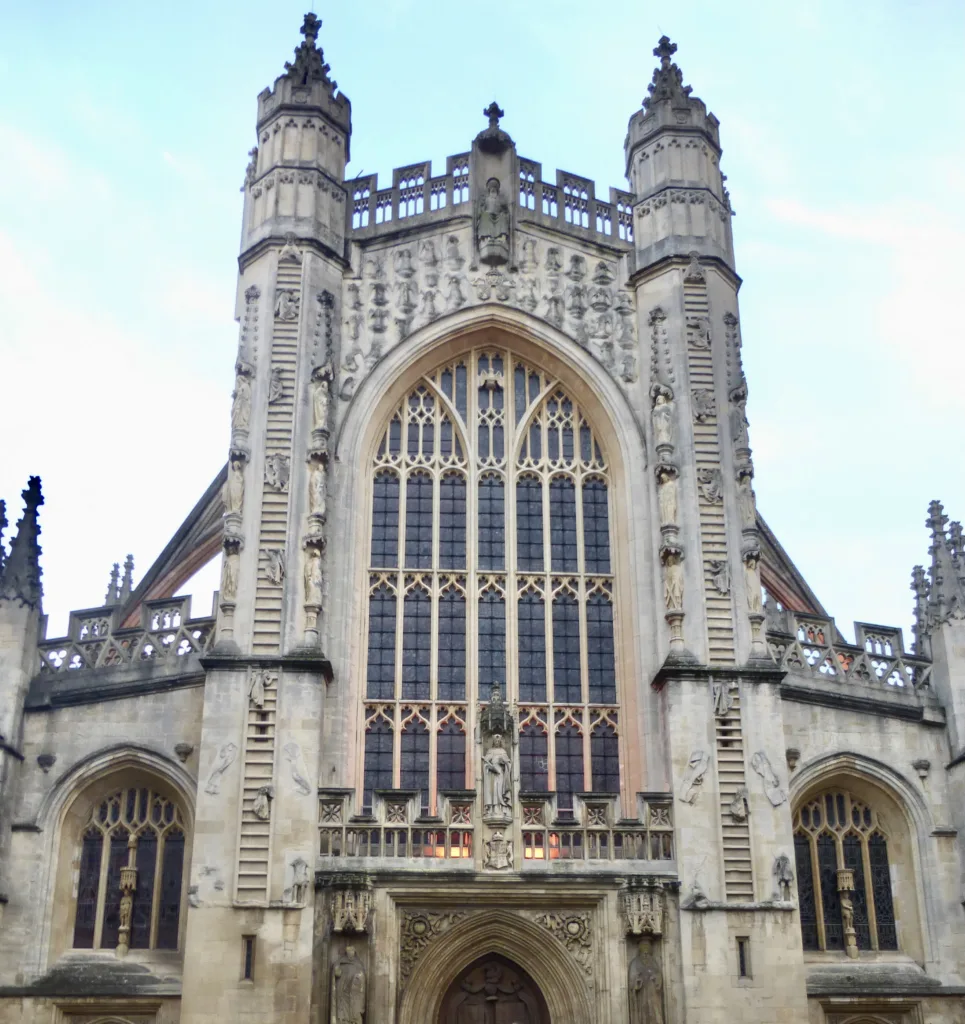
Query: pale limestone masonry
(749, 819)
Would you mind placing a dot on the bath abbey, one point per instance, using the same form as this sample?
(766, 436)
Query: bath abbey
(511, 708)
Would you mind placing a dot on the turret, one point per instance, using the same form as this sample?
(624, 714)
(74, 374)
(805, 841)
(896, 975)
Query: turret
(673, 164)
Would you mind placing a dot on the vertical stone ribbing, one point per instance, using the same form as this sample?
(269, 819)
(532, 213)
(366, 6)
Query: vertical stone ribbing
(257, 794)
(278, 444)
(731, 781)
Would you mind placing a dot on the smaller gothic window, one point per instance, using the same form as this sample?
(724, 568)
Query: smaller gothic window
(129, 886)
(843, 878)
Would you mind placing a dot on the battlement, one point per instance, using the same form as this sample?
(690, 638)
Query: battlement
(569, 205)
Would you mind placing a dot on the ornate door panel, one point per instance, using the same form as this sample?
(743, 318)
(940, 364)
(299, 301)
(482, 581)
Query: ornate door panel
(493, 991)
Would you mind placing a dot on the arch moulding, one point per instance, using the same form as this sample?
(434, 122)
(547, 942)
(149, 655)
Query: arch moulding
(568, 996)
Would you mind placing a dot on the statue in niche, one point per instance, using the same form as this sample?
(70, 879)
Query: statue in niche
(784, 876)
(348, 989)
(298, 891)
(723, 701)
(427, 253)
(313, 579)
(428, 309)
(738, 418)
(746, 500)
(752, 579)
(577, 269)
(229, 576)
(241, 402)
(673, 581)
(403, 263)
(704, 404)
(492, 225)
(719, 575)
(287, 304)
(321, 396)
(667, 493)
(277, 471)
(261, 805)
(454, 259)
(711, 484)
(454, 294)
(261, 680)
(739, 808)
(663, 417)
(276, 385)
(226, 756)
(554, 260)
(645, 985)
(554, 306)
(233, 494)
(697, 767)
(316, 490)
(354, 296)
(275, 565)
(497, 781)
(530, 257)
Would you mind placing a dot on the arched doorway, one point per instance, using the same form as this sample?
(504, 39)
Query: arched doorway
(493, 990)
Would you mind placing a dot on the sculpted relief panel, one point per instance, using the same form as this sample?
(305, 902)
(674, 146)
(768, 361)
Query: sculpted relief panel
(403, 288)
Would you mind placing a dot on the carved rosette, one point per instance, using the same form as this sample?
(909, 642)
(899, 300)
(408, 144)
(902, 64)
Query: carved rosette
(420, 928)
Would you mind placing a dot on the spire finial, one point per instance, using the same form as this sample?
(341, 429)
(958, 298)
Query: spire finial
(664, 50)
(3, 526)
(127, 584)
(112, 587)
(494, 114)
(20, 579)
(309, 63)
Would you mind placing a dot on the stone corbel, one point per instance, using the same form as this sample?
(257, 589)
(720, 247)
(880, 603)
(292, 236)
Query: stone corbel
(644, 907)
(351, 903)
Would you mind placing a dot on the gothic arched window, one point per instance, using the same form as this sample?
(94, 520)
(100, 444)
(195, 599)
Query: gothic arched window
(490, 565)
(843, 875)
(129, 889)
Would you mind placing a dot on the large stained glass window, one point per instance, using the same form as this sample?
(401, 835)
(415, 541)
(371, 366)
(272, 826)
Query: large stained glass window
(490, 564)
(838, 841)
(133, 828)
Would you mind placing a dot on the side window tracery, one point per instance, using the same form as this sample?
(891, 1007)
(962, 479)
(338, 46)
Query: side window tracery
(490, 564)
(131, 873)
(841, 854)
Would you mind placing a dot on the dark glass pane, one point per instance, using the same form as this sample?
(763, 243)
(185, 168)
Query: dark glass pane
(600, 656)
(452, 522)
(492, 641)
(534, 387)
(415, 761)
(881, 892)
(445, 383)
(461, 390)
(88, 884)
(569, 764)
(385, 520)
(146, 861)
(531, 614)
(535, 441)
(451, 757)
(452, 646)
(445, 438)
(378, 760)
(416, 645)
(605, 760)
(395, 437)
(563, 524)
(596, 527)
(851, 846)
(566, 435)
(380, 673)
(169, 907)
(828, 871)
(567, 676)
(586, 445)
(117, 858)
(529, 524)
(533, 763)
(519, 392)
(805, 892)
(418, 521)
(492, 530)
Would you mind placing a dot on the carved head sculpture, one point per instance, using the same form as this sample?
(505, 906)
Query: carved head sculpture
(492, 186)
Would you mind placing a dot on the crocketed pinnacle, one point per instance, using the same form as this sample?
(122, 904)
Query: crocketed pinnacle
(20, 578)
(309, 63)
(941, 595)
(668, 80)
(113, 591)
(3, 526)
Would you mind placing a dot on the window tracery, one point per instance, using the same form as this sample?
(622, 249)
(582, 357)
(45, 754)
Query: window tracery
(491, 478)
(130, 880)
(844, 882)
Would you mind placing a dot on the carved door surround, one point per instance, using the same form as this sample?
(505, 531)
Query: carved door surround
(493, 990)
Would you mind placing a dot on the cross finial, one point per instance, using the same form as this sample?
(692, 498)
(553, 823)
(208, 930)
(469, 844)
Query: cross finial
(664, 50)
(310, 27)
(494, 114)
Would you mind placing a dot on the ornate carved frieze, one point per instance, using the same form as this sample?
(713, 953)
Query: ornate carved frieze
(410, 286)
(420, 928)
(573, 931)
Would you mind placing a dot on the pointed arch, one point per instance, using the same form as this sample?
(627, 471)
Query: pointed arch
(569, 996)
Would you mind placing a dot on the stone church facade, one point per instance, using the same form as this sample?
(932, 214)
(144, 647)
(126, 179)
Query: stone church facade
(491, 721)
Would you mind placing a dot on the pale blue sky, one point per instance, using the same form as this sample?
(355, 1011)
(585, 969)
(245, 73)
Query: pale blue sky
(125, 130)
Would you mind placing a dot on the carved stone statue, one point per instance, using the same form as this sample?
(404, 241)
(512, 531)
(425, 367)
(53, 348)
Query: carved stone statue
(761, 764)
(673, 582)
(645, 985)
(492, 225)
(261, 805)
(321, 395)
(229, 576)
(316, 490)
(738, 418)
(667, 493)
(226, 756)
(313, 578)
(663, 419)
(697, 767)
(233, 494)
(293, 755)
(348, 989)
(241, 403)
(784, 876)
(497, 781)
(745, 498)
(752, 577)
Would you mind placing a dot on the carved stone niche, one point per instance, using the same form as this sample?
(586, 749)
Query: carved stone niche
(351, 902)
(497, 724)
(644, 905)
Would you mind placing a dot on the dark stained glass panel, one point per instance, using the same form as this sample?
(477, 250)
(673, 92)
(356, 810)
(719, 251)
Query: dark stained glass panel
(600, 650)
(563, 553)
(805, 892)
(492, 641)
(117, 858)
(569, 764)
(533, 763)
(415, 761)
(452, 522)
(146, 861)
(492, 520)
(529, 524)
(418, 521)
(88, 885)
(452, 646)
(378, 760)
(385, 520)
(567, 671)
(605, 759)
(380, 675)
(596, 527)
(451, 757)
(531, 624)
(416, 644)
(831, 904)
(169, 909)
(851, 847)
(881, 892)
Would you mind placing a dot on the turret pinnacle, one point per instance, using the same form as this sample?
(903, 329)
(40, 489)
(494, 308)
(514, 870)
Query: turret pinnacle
(309, 63)
(668, 80)
(113, 595)
(3, 526)
(127, 583)
(20, 579)
(946, 588)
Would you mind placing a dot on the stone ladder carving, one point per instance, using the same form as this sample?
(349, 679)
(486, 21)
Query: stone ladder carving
(254, 847)
(278, 445)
